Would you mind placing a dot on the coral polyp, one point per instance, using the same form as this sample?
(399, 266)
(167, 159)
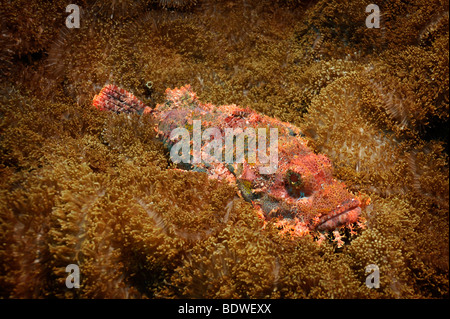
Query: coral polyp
(362, 118)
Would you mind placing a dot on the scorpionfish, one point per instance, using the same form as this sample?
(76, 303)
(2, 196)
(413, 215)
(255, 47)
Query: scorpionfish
(292, 186)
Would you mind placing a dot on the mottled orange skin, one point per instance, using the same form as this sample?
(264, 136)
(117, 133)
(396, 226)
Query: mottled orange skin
(301, 196)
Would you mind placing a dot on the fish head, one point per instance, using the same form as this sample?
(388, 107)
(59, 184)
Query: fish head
(302, 191)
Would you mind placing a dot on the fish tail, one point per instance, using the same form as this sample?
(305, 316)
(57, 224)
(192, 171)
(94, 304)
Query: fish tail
(116, 99)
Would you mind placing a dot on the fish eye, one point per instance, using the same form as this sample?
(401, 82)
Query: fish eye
(295, 185)
(294, 179)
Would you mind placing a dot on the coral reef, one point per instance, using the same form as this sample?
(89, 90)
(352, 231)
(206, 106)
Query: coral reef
(97, 189)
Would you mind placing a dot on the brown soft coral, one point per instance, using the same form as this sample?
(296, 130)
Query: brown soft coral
(313, 271)
(396, 242)
(336, 29)
(91, 188)
(28, 28)
(346, 122)
(221, 267)
(24, 226)
(337, 125)
(102, 200)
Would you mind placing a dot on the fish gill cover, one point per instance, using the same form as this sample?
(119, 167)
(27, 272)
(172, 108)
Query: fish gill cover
(354, 105)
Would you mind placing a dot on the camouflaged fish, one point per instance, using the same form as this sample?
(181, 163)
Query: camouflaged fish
(290, 184)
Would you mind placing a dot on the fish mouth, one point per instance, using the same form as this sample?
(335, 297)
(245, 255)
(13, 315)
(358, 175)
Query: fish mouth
(334, 220)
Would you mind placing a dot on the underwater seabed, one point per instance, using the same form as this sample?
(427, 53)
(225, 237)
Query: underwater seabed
(95, 192)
